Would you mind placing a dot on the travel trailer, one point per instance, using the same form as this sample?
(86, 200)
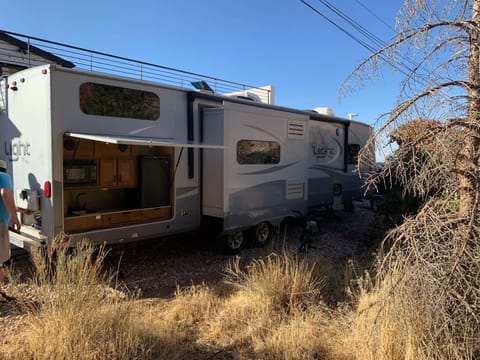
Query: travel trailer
(111, 159)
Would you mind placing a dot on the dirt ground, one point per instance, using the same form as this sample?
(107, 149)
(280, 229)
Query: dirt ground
(155, 268)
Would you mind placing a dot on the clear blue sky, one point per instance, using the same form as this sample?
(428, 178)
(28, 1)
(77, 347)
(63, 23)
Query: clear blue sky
(258, 42)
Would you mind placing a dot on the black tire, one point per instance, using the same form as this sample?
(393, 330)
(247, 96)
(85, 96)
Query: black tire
(348, 206)
(232, 242)
(261, 234)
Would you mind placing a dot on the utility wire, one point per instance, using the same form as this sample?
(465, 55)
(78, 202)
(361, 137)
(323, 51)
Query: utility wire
(369, 35)
(365, 45)
(356, 39)
(375, 15)
(372, 37)
(379, 43)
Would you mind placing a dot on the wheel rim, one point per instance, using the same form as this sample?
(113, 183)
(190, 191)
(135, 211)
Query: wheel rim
(262, 232)
(235, 240)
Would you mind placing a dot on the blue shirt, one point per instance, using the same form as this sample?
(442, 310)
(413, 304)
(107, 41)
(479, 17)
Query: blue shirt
(5, 183)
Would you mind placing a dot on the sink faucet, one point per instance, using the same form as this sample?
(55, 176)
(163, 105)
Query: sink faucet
(77, 197)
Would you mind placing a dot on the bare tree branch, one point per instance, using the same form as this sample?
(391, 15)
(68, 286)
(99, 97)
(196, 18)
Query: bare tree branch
(429, 266)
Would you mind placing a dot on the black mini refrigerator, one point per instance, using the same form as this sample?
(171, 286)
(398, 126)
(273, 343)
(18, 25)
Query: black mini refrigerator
(154, 177)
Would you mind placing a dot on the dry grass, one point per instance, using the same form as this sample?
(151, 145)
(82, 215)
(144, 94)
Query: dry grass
(273, 311)
(425, 301)
(75, 315)
(285, 281)
(384, 327)
(271, 308)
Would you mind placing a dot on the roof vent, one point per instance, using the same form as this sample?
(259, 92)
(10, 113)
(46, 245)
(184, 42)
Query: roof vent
(324, 111)
(250, 97)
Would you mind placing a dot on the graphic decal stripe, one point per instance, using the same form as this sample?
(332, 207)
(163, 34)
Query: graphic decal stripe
(270, 170)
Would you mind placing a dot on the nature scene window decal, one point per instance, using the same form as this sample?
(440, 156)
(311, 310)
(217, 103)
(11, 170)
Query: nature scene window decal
(114, 101)
(258, 152)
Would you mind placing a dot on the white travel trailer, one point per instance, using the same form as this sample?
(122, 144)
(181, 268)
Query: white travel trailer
(112, 159)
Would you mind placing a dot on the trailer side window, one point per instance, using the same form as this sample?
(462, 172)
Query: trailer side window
(353, 151)
(258, 152)
(107, 100)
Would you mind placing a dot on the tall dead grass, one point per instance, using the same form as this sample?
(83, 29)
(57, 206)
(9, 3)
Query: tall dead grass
(285, 281)
(74, 314)
(272, 308)
(425, 302)
(421, 302)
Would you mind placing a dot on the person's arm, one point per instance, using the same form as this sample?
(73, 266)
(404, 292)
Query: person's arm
(7, 197)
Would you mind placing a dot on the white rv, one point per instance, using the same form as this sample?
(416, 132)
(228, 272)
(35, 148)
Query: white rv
(112, 159)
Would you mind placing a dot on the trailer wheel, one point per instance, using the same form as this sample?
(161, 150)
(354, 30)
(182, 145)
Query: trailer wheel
(231, 243)
(261, 234)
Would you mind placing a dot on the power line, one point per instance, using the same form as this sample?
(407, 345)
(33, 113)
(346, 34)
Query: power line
(375, 15)
(378, 42)
(400, 66)
(365, 45)
(369, 35)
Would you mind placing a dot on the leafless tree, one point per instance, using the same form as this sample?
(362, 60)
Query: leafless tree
(437, 252)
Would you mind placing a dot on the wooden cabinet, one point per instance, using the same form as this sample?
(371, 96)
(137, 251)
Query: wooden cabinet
(118, 173)
(74, 148)
(103, 150)
(126, 173)
(82, 223)
(78, 148)
(116, 164)
(122, 218)
(108, 172)
(160, 213)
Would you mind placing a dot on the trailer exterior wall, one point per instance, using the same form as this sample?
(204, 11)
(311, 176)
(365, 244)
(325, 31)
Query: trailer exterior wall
(326, 164)
(52, 95)
(254, 193)
(27, 136)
